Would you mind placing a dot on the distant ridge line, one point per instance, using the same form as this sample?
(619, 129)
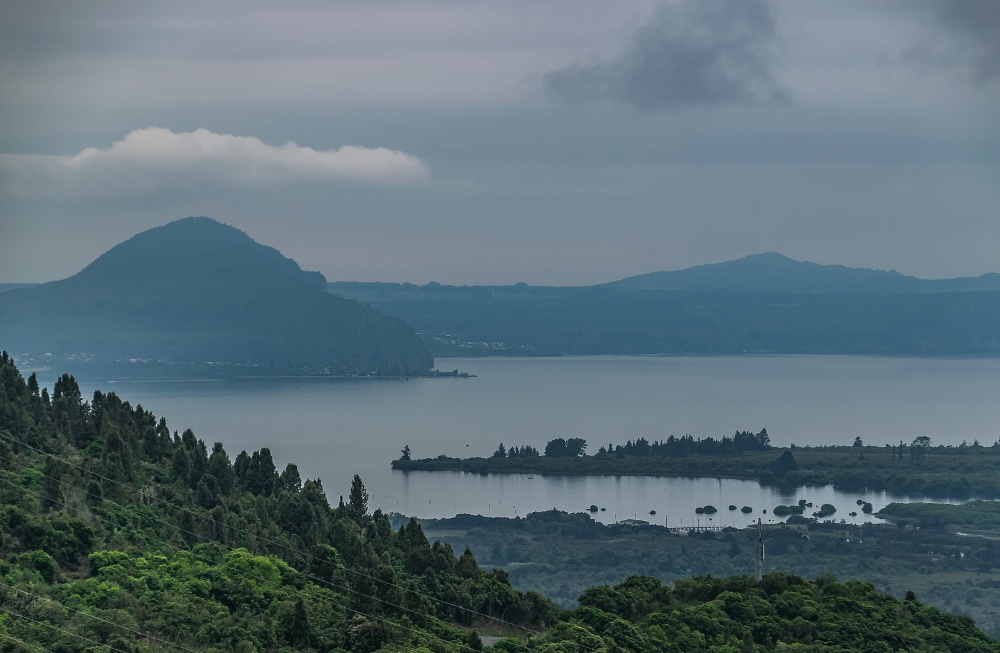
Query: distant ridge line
(768, 272)
(775, 273)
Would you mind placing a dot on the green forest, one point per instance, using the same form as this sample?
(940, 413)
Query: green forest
(119, 534)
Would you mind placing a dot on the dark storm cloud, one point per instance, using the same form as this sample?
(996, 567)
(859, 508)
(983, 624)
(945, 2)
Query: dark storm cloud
(977, 24)
(694, 52)
(960, 37)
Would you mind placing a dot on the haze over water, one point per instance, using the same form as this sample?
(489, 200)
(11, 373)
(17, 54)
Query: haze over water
(333, 429)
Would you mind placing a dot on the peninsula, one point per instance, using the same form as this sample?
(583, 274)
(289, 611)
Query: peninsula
(916, 468)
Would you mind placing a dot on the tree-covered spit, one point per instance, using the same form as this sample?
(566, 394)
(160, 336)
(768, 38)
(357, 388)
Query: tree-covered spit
(918, 468)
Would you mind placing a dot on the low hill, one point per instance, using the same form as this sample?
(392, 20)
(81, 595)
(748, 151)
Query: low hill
(195, 292)
(773, 273)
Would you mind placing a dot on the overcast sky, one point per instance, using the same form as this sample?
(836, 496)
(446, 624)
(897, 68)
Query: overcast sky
(546, 141)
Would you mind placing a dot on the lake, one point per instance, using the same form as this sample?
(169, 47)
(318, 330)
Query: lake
(333, 429)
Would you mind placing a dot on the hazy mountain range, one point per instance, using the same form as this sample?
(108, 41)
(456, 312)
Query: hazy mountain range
(766, 303)
(767, 272)
(201, 294)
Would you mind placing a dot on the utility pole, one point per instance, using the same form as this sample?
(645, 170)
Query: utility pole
(760, 550)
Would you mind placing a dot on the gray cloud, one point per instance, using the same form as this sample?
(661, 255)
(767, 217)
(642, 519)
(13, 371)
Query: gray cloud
(976, 24)
(693, 52)
(873, 165)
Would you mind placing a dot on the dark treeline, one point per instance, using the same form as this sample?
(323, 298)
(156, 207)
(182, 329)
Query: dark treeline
(524, 451)
(741, 442)
(687, 445)
(571, 448)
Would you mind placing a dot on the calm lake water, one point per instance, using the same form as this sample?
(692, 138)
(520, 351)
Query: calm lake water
(333, 429)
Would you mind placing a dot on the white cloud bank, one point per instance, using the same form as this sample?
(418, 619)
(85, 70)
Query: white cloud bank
(247, 159)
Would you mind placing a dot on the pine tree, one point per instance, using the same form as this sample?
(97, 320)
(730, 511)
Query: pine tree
(220, 467)
(357, 504)
(290, 479)
(299, 630)
(179, 465)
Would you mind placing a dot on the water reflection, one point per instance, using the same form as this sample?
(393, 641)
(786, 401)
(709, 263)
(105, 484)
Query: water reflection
(674, 500)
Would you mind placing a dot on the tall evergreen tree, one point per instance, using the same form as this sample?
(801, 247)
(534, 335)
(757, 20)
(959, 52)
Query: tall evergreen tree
(290, 479)
(357, 504)
(199, 463)
(180, 465)
(163, 433)
(220, 467)
(261, 476)
(299, 630)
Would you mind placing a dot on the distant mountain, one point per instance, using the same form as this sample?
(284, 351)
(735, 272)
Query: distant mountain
(199, 292)
(773, 273)
(765, 303)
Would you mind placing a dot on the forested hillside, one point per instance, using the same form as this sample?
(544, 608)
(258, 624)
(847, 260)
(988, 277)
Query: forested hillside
(118, 534)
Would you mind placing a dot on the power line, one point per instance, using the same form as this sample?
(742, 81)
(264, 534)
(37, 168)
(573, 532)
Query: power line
(288, 548)
(21, 641)
(274, 543)
(255, 577)
(93, 616)
(62, 630)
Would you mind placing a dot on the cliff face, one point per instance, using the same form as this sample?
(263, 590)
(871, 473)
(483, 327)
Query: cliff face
(196, 290)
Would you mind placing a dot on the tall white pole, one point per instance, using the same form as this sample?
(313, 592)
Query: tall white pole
(760, 550)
